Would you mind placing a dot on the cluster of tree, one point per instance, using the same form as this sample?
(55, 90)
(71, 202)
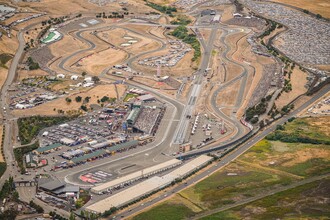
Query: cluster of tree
(32, 65)
(181, 20)
(37, 207)
(256, 110)
(112, 15)
(9, 192)
(181, 32)
(287, 108)
(29, 127)
(8, 189)
(3, 167)
(273, 111)
(272, 27)
(280, 135)
(55, 21)
(9, 214)
(54, 215)
(238, 5)
(88, 215)
(162, 8)
(20, 152)
(287, 86)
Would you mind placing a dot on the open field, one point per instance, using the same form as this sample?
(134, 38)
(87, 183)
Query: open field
(98, 61)
(4, 72)
(116, 37)
(63, 7)
(163, 2)
(256, 172)
(31, 73)
(228, 96)
(321, 7)
(95, 93)
(33, 33)
(8, 45)
(298, 81)
(309, 201)
(66, 46)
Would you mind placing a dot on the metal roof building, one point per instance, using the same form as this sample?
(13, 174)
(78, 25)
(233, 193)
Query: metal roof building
(89, 156)
(148, 186)
(133, 115)
(52, 185)
(45, 149)
(135, 176)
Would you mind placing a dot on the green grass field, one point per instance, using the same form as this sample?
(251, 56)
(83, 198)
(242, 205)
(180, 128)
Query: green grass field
(222, 189)
(129, 96)
(166, 212)
(303, 202)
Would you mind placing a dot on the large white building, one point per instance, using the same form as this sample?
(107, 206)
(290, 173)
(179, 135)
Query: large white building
(148, 186)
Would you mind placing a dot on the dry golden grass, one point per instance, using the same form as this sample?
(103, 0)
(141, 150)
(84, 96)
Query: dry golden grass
(95, 93)
(158, 31)
(31, 73)
(101, 60)
(66, 46)
(163, 2)
(33, 33)
(298, 81)
(8, 45)
(228, 96)
(321, 7)
(228, 11)
(3, 74)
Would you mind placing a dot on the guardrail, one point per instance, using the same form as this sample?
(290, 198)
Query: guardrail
(236, 143)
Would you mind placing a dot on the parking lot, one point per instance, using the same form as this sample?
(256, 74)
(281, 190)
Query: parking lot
(27, 96)
(177, 50)
(204, 130)
(99, 134)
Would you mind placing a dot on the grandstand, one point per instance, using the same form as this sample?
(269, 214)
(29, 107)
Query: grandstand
(147, 119)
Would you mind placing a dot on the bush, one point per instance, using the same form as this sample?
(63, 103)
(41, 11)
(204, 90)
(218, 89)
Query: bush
(181, 32)
(78, 99)
(38, 208)
(32, 65)
(164, 9)
(21, 151)
(29, 127)
(3, 167)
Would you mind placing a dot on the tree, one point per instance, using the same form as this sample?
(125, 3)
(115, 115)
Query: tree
(84, 108)
(87, 98)
(78, 99)
(96, 79)
(318, 16)
(306, 11)
(72, 216)
(68, 100)
(84, 73)
(105, 99)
